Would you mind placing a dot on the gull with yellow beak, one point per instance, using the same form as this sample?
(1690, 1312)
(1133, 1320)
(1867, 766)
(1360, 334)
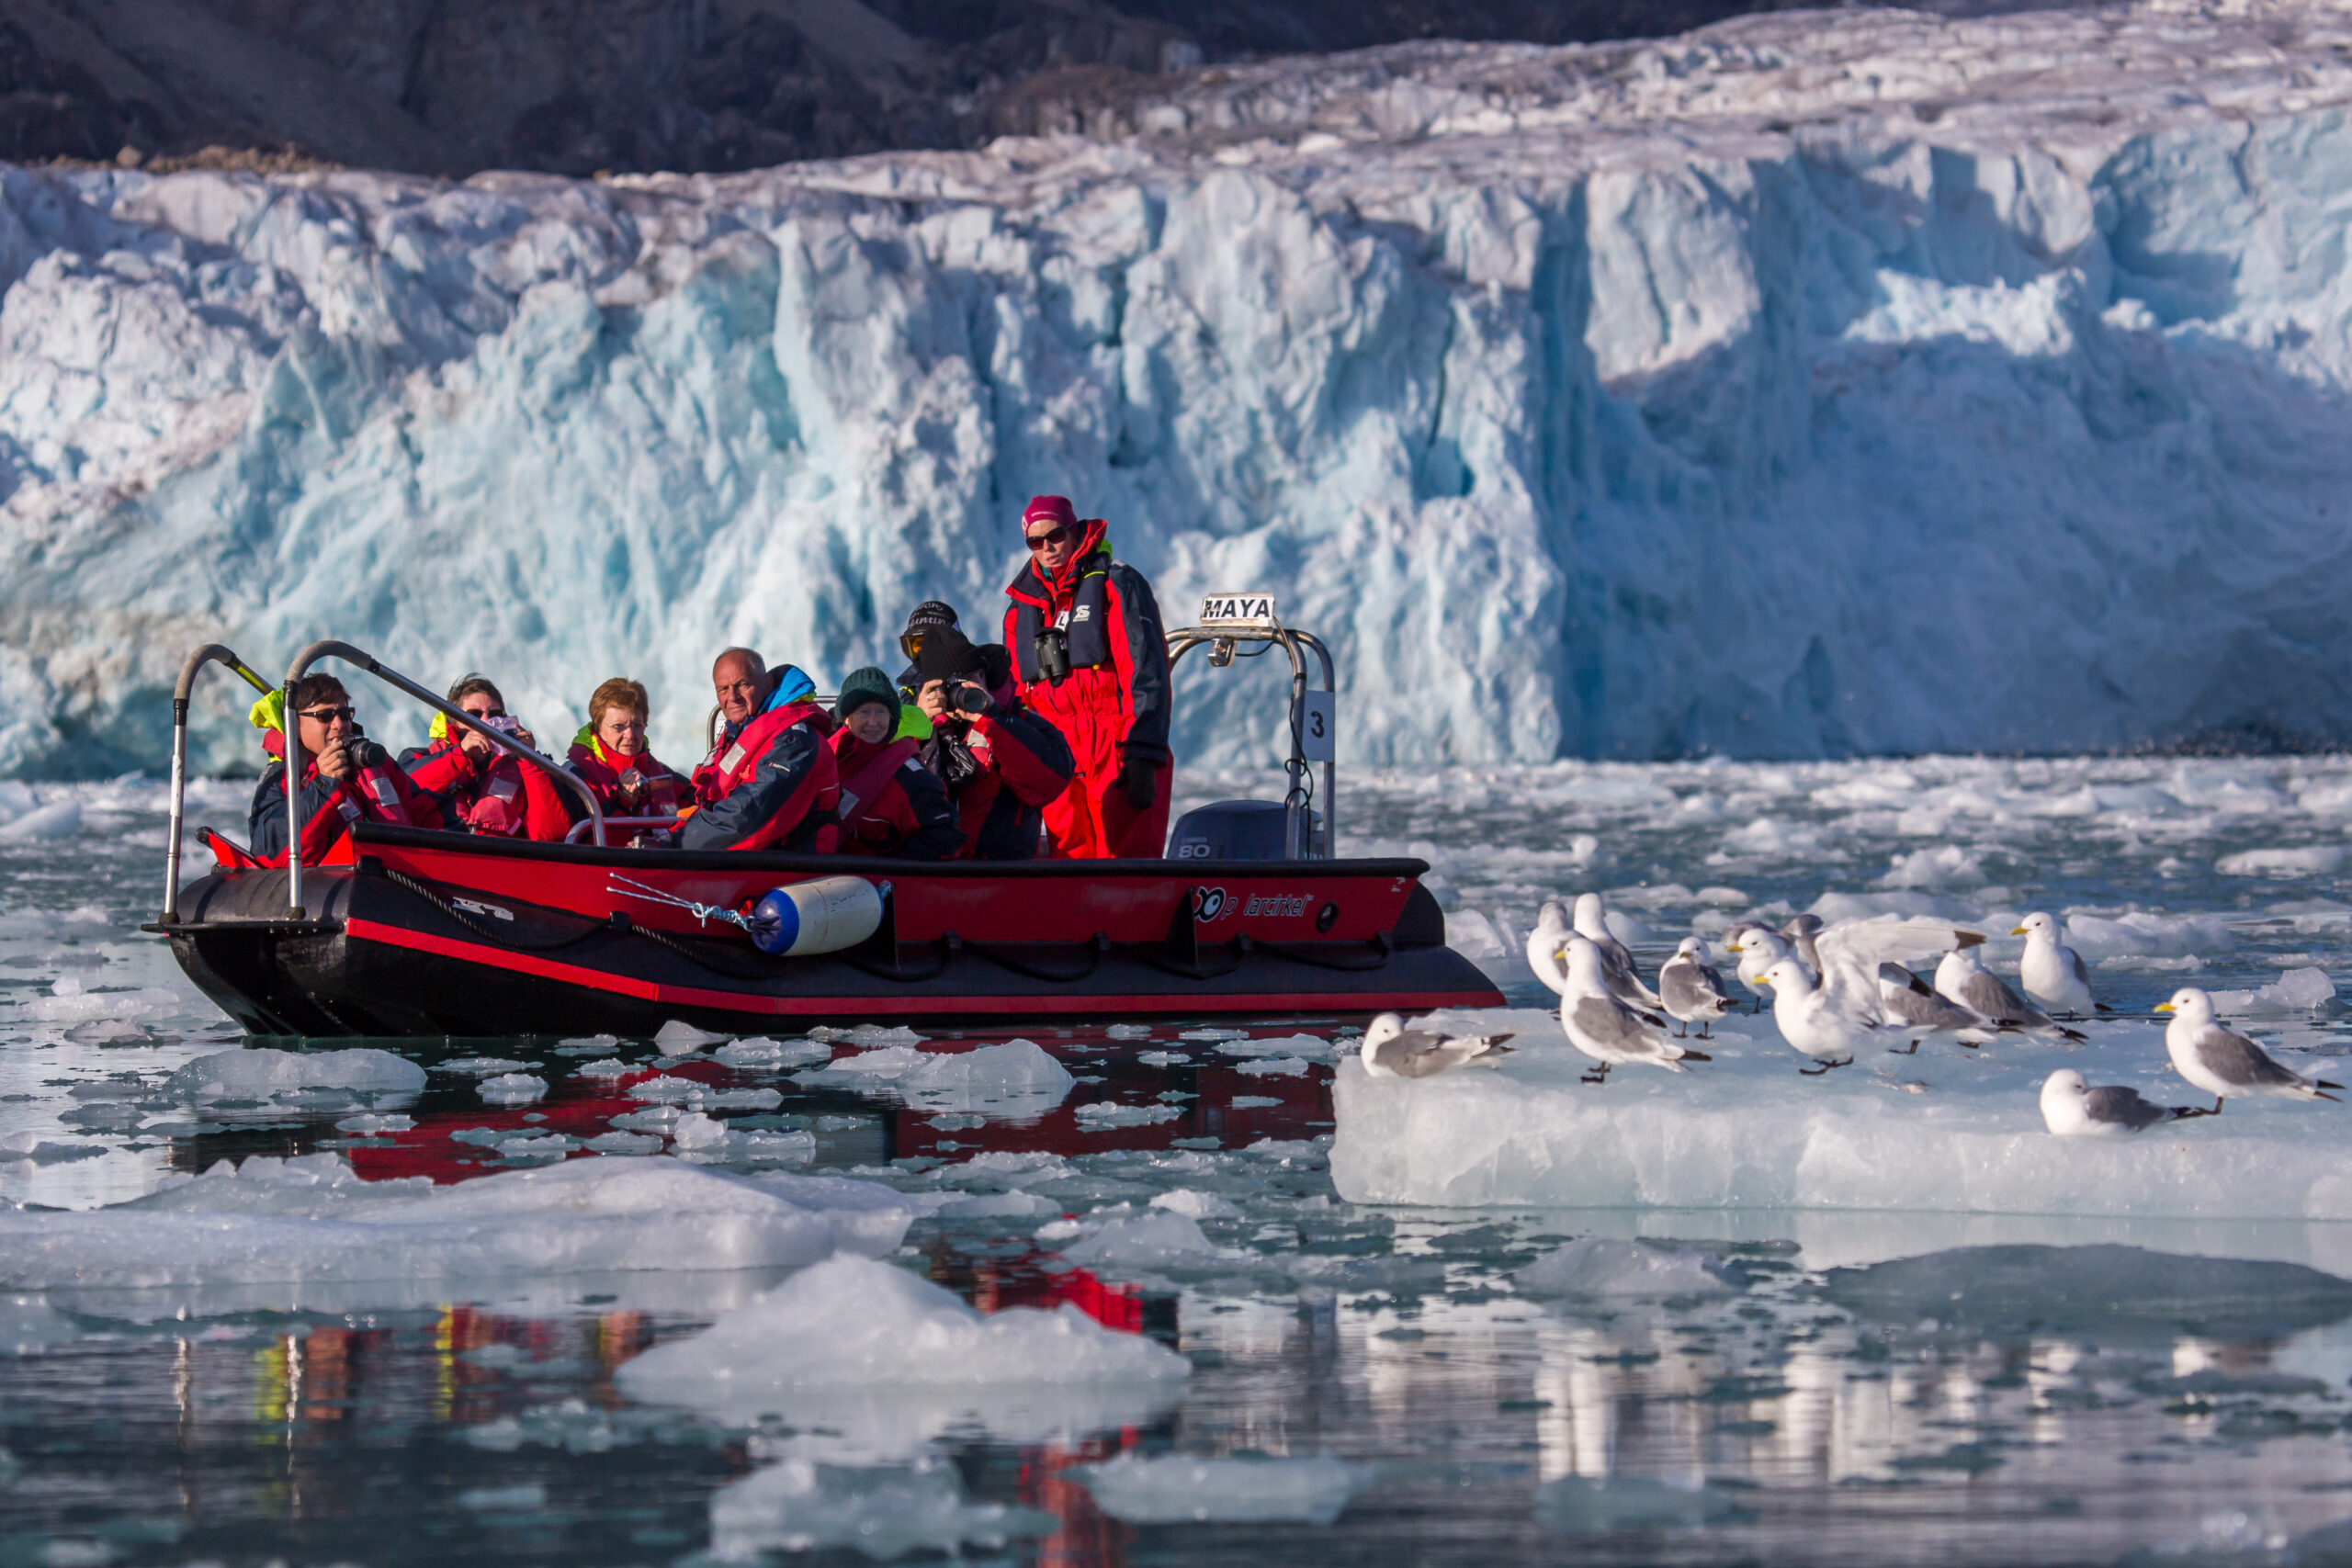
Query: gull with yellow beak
(2052, 976)
(2223, 1063)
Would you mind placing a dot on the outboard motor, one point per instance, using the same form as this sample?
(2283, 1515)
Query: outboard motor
(1232, 830)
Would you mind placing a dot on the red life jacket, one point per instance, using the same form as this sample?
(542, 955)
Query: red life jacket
(498, 795)
(380, 793)
(875, 816)
(607, 773)
(735, 761)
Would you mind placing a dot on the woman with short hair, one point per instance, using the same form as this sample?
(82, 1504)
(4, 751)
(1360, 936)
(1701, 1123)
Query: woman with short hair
(480, 788)
(609, 755)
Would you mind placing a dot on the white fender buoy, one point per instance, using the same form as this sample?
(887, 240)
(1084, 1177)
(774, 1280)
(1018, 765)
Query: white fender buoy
(825, 914)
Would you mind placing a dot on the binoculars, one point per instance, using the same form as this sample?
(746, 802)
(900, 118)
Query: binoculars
(1052, 649)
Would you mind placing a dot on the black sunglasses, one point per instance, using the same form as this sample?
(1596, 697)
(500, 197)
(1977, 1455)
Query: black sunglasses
(328, 715)
(1045, 540)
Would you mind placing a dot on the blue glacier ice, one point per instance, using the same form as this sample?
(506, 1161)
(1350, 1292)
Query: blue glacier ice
(1814, 384)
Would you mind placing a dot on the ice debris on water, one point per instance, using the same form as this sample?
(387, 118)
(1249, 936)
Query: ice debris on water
(677, 1039)
(602, 1067)
(1163, 1058)
(513, 1088)
(1122, 1237)
(1599, 1265)
(481, 1067)
(2295, 990)
(883, 1513)
(261, 1073)
(70, 1002)
(867, 1035)
(376, 1121)
(1177, 1489)
(1128, 1031)
(624, 1142)
(1014, 1080)
(762, 1052)
(1275, 1067)
(1103, 1114)
(883, 1362)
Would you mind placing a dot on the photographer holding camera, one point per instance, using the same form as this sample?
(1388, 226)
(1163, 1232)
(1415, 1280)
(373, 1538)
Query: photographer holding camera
(1089, 656)
(345, 776)
(1002, 763)
(478, 788)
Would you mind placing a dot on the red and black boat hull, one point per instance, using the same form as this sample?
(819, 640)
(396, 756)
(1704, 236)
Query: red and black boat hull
(443, 934)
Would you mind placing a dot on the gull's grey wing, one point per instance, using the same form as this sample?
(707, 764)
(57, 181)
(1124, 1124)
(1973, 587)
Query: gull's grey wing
(1800, 931)
(1714, 982)
(1616, 1025)
(1991, 995)
(2234, 1059)
(2122, 1107)
(1683, 989)
(2081, 970)
(1894, 973)
(1924, 1008)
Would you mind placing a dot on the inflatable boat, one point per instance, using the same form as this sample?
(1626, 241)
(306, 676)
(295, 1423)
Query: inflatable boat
(419, 932)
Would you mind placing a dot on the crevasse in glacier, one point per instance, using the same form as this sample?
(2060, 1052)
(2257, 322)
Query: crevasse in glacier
(1815, 383)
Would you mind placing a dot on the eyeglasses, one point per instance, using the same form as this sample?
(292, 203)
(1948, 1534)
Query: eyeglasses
(484, 713)
(910, 644)
(328, 715)
(1047, 540)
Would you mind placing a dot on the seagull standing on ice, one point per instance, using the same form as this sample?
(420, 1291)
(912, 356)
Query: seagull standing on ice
(1604, 1027)
(1963, 977)
(1823, 1027)
(1547, 945)
(2052, 975)
(1616, 962)
(1393, 1051)
(2072, 1111)
(1759, 947)
(2223, 1063)
(1912, 1005)
(1693, 991)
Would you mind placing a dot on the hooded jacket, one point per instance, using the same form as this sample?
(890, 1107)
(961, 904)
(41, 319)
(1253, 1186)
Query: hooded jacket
(327, 806)
(771, 782)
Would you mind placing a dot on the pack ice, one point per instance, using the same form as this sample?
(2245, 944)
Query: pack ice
(1811, 383)
(1947, 1130)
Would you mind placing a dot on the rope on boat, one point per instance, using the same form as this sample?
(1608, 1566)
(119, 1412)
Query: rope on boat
(618, 923)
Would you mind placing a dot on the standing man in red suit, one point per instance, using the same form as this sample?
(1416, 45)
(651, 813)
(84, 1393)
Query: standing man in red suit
(1090, 656)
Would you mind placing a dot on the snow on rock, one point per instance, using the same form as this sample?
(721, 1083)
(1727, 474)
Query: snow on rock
(1177, 1489)
(310, 1221)
(1944, 1131)
(887, 1361)
(1512, 358)
(260, 1073)
(1599, 1265)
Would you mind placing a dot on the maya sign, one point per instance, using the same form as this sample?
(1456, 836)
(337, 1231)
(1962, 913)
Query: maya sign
(1238, 609)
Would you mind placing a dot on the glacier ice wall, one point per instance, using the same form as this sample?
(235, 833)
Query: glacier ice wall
(1811, 385)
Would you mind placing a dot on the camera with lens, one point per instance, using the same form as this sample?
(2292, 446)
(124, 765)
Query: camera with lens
(970, 699)
(1053, 655)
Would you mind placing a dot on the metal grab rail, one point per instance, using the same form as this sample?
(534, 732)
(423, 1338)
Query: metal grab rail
(209, 653)
(330, 648)
(579, 829)
(1298, 832)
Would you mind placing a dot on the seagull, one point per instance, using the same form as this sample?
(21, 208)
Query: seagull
(1821, 1026)
(1604, 1027)
(2223, 1063)
(1963, 977)
(1616, 964)
(1546, 943)
(1912, 1005)
(2072, 1111)
(1393, 1051)
(1693, 991)
(1845, 958)
(2052, 973)
(1759, 947)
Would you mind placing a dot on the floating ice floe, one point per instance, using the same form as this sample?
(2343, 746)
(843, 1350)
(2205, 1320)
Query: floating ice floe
(2295, 991)
(2311, 860)
(1945, 1130)
(44, 824)
(800, 1506)
(1176, 1489)
(1013, 1081)
(302, 1224)
(762, 1052)
(678, 1039)
(261, 1073)
(1601, 1265)
(70, 1002)
(1103, 1114)
(1123, 1238)
(513, 1088)
(868, 1360)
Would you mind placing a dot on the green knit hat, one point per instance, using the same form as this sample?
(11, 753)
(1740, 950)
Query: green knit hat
(867, 685)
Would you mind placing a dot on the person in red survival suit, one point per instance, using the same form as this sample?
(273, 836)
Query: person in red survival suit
(609, 755)
(1001, 762)
(1089, 655)
(345, 777)
(771, 781)
(478, 787)
(890, 804)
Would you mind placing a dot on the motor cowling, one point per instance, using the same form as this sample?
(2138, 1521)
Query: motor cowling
(826, 914)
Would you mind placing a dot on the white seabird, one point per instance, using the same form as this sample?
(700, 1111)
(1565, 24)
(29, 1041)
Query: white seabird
(1393, 1051)
(1963, 977)
(1691, 990)
(1845, 958)
(1912, 1005)
(1827, 1028)
(1759, 947)
(1616, 964)
(2052, 976)
(1601, 1026)
(2223, 1063)
(2072, 1111)
(1547, 945)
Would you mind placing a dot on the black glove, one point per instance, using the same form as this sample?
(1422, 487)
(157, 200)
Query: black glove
(1141, 781)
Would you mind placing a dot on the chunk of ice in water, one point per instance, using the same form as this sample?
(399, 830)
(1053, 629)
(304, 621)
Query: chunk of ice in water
(261, 1073)
(77, 1005)
(1163, 1058)
(1103, 1116)
(1275, 1067)
(602, 1067)
(481, 1067)
(868, 1034)
(1139, 1240)
(1277, 1045)
(887, 1362)
(376, 1121)
(1177, 1489)
(513, 1088)
(800, 1506)
(46, 824)
(1599, 1265)
(2295, 990)
(677, 1039)
(1128, 1031)
(696, 1130)
(762, 1052)
(624, 1142)
(1198, 1205)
